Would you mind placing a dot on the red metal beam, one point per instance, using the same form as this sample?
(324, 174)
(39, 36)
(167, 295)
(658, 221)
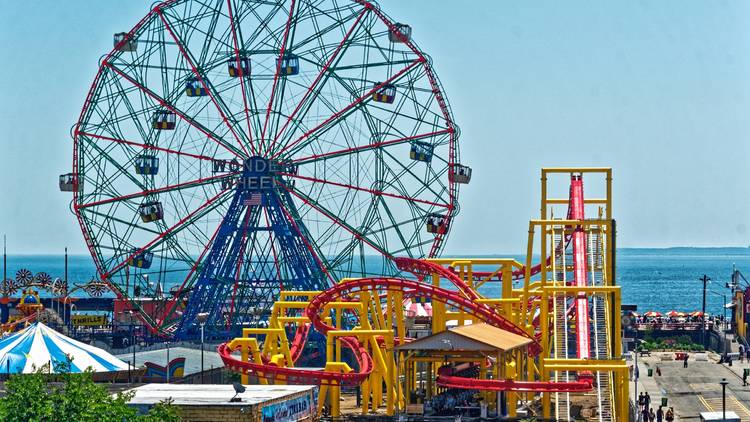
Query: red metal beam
(348, 107)
(325, 68)
(200, 78)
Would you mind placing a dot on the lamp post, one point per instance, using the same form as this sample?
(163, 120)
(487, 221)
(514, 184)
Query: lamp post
(723, 325)
(167, 362)
(724, 398)
(202, 318)
(72, 308)
(705, 279)
(132, 334)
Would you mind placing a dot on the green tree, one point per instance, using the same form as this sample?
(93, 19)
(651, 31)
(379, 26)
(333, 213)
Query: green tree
(30, 398)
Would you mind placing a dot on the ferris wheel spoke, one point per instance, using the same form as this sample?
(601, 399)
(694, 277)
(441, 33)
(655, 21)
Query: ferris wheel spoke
(373, 192)
(170, 188)
(241, 79)
(164, 103)
(278, 70)
(328, 214)
(209, 90)
(331, 121)
(145, 146)
(205, 207)
(326, 67)
(368, 147)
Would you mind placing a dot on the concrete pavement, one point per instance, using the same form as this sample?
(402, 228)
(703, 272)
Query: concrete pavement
(694, 389)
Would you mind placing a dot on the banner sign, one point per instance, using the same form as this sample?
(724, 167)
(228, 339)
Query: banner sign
(289, 410)
(89, 320)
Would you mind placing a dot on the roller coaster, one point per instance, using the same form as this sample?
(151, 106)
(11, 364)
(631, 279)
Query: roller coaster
(564, 310)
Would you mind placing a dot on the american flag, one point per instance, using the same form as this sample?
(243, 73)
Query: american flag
(254, 199)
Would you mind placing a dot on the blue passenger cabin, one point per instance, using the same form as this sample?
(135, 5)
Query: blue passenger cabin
(437, 224)
(141, 259)
(384, 94)
(194, 87)
(460, 174)
(242, 70)
(151, 211)
(400, 32)
(146, 164)
(67, 182)
(164, 120)
(421, 151)
(288, 65)
(123, 42)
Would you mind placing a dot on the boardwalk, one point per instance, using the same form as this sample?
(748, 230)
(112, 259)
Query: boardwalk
(695, 389)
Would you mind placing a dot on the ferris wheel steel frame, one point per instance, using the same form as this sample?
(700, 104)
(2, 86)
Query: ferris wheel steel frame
(287, 215)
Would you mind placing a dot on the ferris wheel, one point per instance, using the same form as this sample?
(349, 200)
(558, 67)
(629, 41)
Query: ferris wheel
(234, 148)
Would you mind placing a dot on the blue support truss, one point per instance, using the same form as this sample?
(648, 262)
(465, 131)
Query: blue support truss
(260, 248)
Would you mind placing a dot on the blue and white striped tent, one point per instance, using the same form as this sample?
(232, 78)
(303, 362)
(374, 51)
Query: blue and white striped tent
(38, 345)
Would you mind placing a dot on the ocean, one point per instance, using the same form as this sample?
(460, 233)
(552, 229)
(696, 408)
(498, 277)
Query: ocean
(654, 279)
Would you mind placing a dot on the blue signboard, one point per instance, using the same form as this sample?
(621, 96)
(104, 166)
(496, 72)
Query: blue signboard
(289, 410)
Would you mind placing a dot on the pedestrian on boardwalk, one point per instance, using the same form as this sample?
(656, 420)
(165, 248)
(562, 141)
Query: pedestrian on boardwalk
(641, 401)
(658, 371)
(630, 370)
(742, 354)
(744, 378)
(647, 401)
(684, 365)
(670, 415)
(645, 415)
(747, 354)
(659, 415)
(651, 415)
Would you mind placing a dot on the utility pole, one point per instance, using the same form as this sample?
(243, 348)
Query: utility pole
(705, 281)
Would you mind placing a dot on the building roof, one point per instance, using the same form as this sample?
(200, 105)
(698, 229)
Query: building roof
(213, 394)
(475, 338)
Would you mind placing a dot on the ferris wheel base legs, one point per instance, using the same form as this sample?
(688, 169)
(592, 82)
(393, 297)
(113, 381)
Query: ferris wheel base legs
(258, 250)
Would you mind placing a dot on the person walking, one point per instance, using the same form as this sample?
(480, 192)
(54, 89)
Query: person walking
(744, 378)
(747, 353)
(641, 401)
(742, 354)
(647, 401)
(659, 415)
(645, 415)
(658, 371)
(651, 415)
(684, 365)
(670, 415)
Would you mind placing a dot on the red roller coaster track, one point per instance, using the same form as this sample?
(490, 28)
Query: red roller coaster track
(463, 299)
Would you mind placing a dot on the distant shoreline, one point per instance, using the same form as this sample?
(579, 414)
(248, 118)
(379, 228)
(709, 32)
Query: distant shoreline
(726, 249)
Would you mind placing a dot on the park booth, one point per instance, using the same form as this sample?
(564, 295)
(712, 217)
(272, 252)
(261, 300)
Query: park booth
(400, 32)
(124, 42)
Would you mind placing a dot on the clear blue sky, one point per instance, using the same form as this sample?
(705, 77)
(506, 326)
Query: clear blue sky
(657, 90)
